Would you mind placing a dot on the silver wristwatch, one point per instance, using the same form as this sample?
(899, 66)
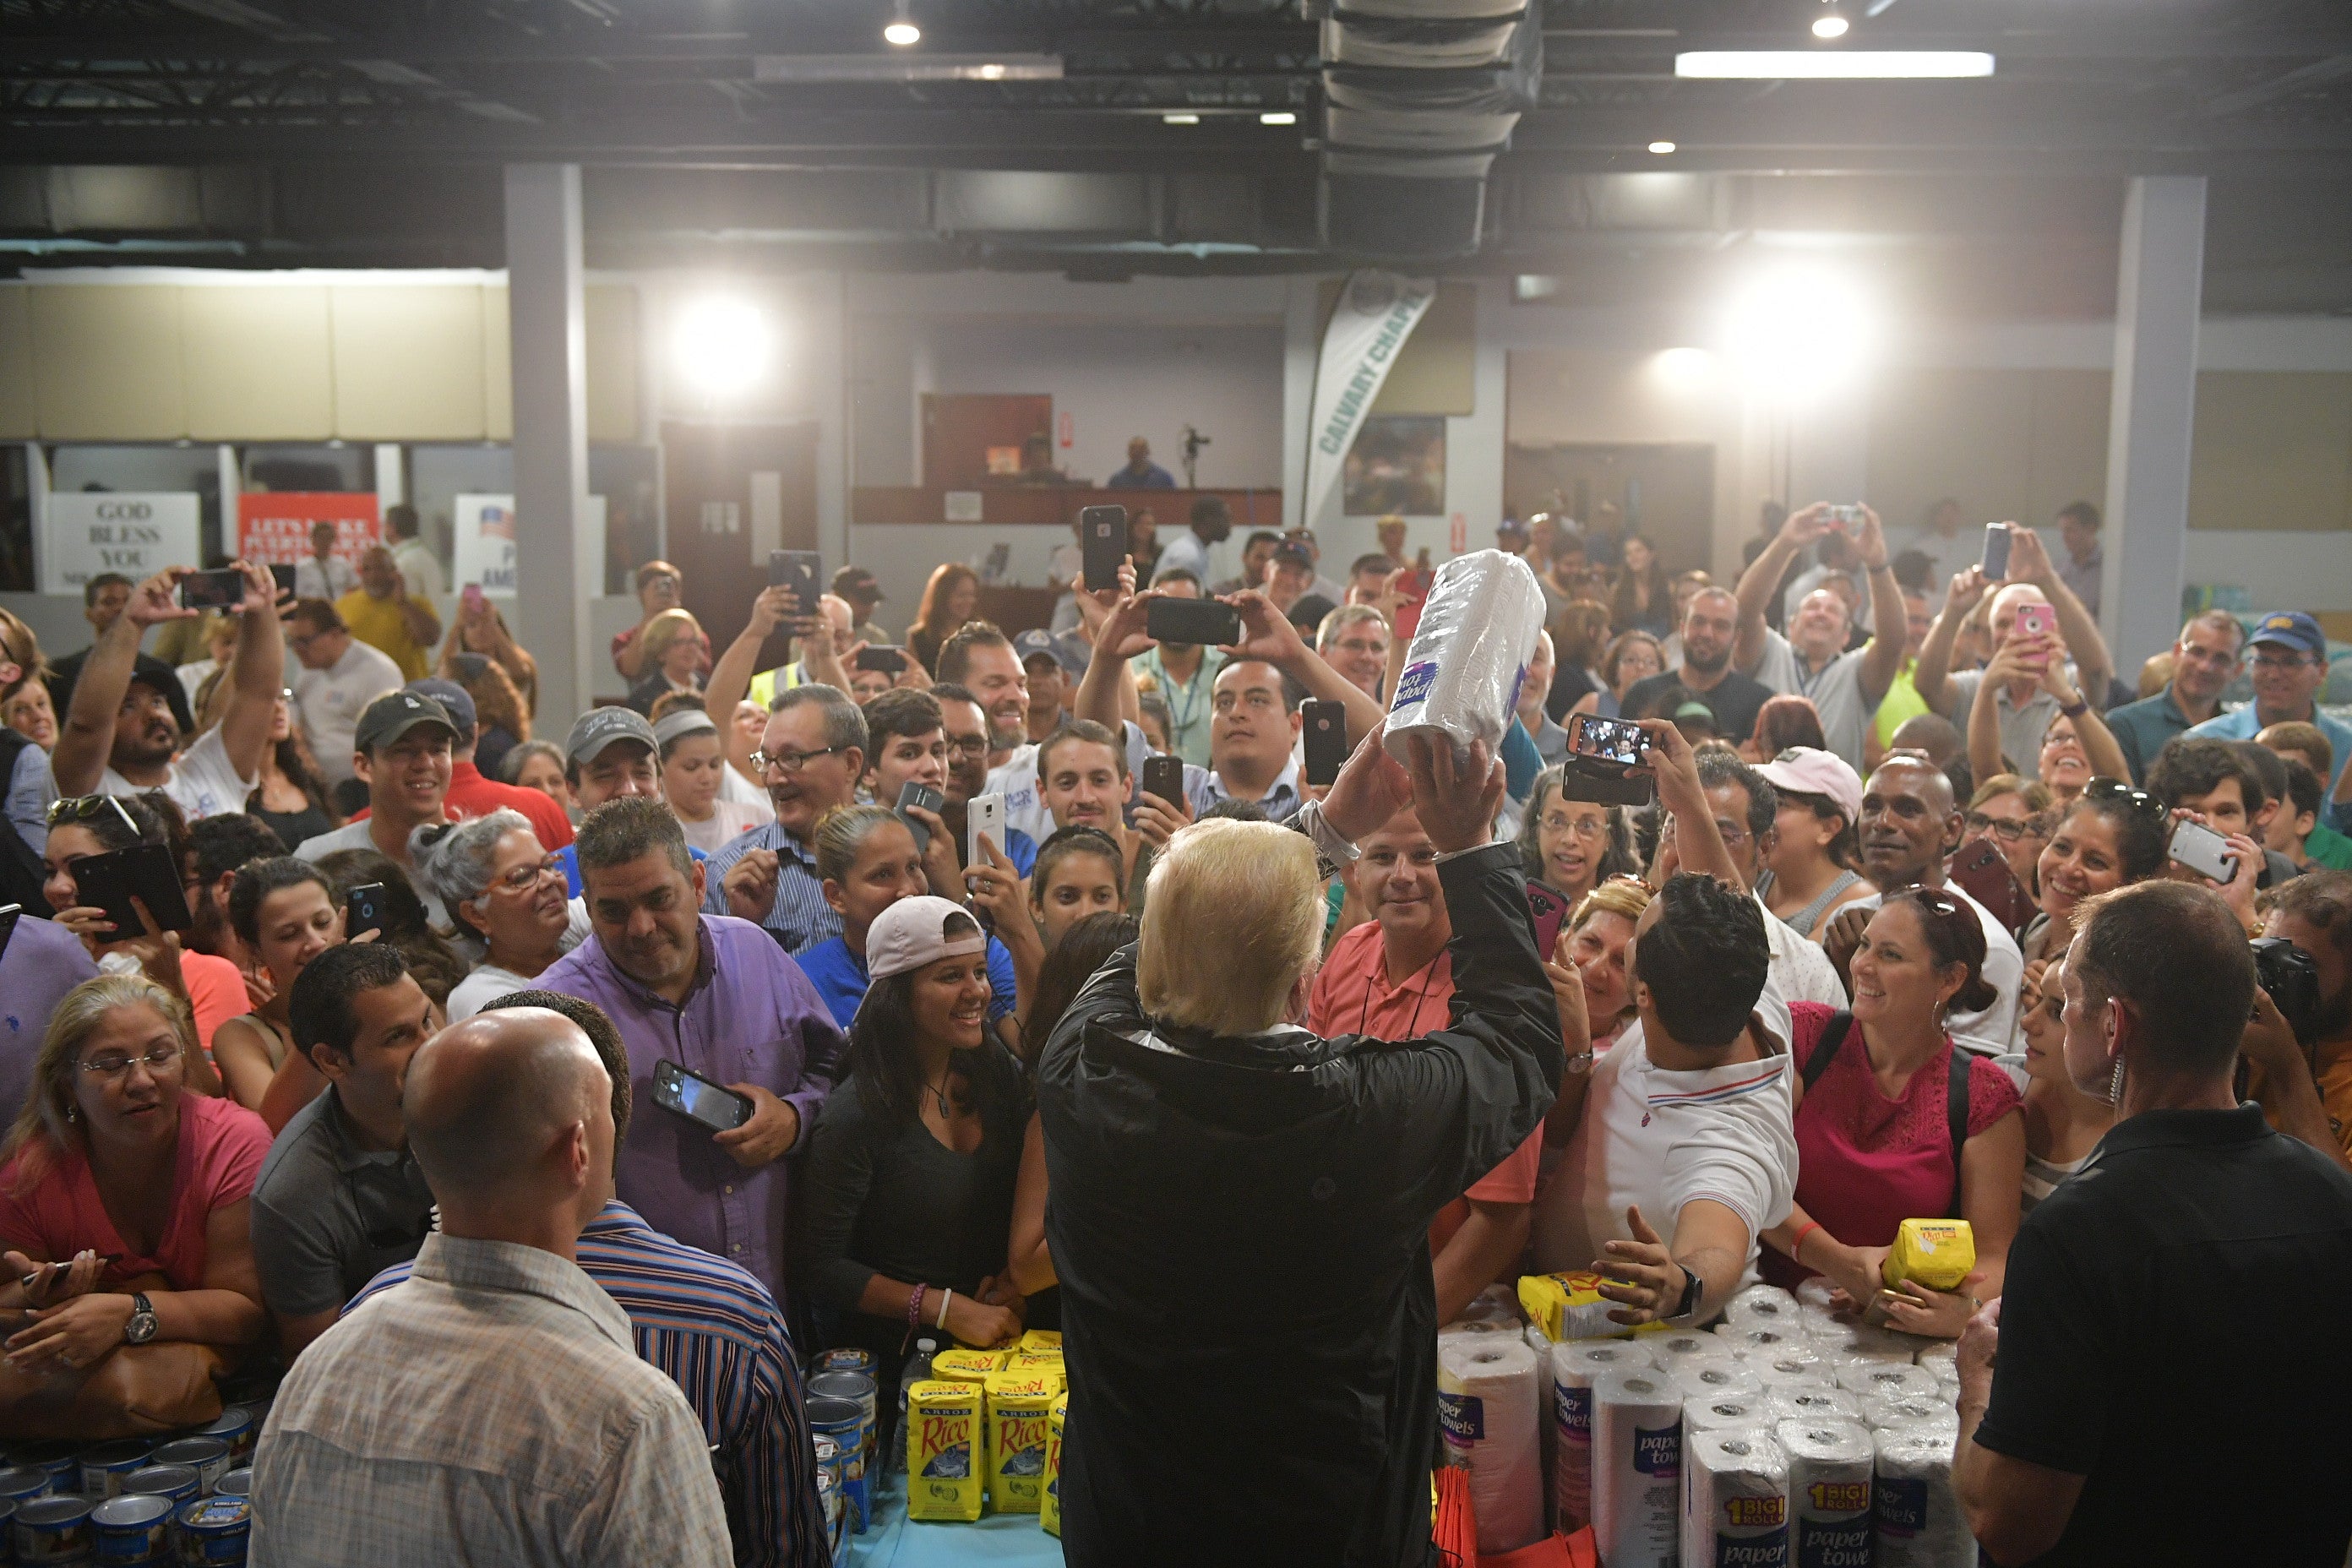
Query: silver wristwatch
(141, 1326)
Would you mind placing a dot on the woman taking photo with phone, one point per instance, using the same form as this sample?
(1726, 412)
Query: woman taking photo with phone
(286, 913)
(905, 1196)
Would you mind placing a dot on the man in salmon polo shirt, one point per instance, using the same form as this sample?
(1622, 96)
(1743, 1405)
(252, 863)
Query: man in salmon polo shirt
(1391, 978)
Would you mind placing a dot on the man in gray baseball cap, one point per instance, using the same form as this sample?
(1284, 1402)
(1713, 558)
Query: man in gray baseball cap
(402, 748)
(611, 754)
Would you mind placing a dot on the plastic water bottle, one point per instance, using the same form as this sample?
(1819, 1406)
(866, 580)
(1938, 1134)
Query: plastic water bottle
(918, 1368)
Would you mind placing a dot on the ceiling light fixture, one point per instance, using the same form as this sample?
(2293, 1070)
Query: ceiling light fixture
(1831, 26)
(1180, 120)
(900, 31)
(1661, 148)
(1277, 117)
(1786, 65)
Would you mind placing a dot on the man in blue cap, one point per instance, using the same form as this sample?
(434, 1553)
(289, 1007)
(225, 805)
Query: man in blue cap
(2288, 660)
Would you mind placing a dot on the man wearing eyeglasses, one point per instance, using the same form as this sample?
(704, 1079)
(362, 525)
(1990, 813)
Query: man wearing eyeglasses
(340, 1197)
(2206, 658)
(810, 757)
(2289, 667)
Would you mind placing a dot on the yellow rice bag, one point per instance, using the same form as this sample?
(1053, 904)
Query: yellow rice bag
(1041, 1340)
(968, 1366)
(943, 1450)
(1018, 1406)
(1050, 1510)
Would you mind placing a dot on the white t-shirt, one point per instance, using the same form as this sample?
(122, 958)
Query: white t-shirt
(733, 786)
(1659, 1140)
(1835, 693)
(1800, 971)
(192, 677)
(420, 572)
(728, 821)
(330, 583)
(201, 780)
(1185, 549)
(330, 701)
(1024, 803)
(1987, 1033)
(488, 983)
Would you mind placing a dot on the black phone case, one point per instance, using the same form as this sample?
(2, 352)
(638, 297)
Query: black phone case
(1325, 727)
(221, 590)
(1103, 543)
(1164, 776)
(887, 660)
(666, 1096)
(285, 579)
(364, 909)
(798, 570)
(1196, 620)
(930, 799)
(110, 881)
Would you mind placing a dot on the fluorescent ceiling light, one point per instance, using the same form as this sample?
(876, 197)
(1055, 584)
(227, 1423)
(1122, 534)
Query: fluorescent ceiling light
(902, 33)
(1180, 120)
(1773, 64)
(1830, 26)
(906, 68)
(1661, 148)
(1277, 117)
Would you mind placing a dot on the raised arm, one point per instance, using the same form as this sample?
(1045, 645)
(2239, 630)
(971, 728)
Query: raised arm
(2030, 562)
(86, 739)
(1697, 842)
(1932, 678)
(1984, 714)
(258, 671)
(1762, 578)
(730, 675)
(1103, 690)
(1267, 635)
(1890, 624)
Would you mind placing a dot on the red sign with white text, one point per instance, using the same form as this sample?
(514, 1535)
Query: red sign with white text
(274, 527)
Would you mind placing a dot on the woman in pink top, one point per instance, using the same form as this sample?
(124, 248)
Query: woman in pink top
(1874, 1119)
(115, 1170)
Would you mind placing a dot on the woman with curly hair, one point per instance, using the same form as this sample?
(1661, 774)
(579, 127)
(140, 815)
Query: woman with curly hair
(502, 714)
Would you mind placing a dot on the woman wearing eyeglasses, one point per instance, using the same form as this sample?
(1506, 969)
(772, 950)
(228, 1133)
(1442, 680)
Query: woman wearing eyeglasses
(124, 1204)
(506, 891)
(2112, 835)
(2013, 812)
(1893, 1123)
(1569, 845)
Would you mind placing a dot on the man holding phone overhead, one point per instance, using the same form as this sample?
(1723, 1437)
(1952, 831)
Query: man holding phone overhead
(2022, 706)
(125, 727)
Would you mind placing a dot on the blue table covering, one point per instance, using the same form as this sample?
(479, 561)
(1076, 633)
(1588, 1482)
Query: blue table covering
(893, 1540)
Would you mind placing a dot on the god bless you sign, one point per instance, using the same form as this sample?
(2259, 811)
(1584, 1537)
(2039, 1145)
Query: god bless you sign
(89, 532)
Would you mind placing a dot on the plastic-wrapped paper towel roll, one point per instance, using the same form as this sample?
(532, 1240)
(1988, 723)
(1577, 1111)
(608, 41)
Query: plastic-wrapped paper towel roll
(1535, 1341)
(1948, 1384)
(1498, 1302)
(1735, 1500)
(1918, 1521)
(1713, 1379)
(1477, 632)
(1932, 1353)
(1792, 1369)
(1908, 1410)
(1575, 1366)
(1668, 1348)
(1730, 1410)
(1473, 1328)
(1637, 1470)
(1886, 1380)
(1860, 1342)
(1815, 1290)
(1812, 1405)
(1763, 1307)
(1486, 1401)
(1764, 1339)
(1830, 1469)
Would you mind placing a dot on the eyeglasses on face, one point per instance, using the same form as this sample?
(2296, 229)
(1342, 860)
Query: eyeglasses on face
(2115, 789)
(523, 878)
(2287, 661)
(1585, 827)
(114, 1065)
(791, 761)
(2007, 830)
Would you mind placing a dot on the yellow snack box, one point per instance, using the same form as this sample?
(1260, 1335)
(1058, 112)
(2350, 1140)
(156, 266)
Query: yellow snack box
(1041, 1340)
(943, 1450)
(968, 1366)
(1049, 1514)
(1569, 1306)
(1019, 1405)
(1939, 1253)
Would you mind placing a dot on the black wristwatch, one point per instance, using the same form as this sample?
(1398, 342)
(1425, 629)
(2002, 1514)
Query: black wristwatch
(141, 1326)
(1690, 1292)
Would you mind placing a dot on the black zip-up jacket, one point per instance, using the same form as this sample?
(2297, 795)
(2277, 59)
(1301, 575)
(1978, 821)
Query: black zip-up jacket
(1241, 1230)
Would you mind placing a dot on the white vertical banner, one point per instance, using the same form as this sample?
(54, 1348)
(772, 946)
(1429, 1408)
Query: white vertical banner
(484, 550)
(1376, 313)
(85, 532)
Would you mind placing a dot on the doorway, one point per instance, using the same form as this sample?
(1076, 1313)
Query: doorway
(733, 493)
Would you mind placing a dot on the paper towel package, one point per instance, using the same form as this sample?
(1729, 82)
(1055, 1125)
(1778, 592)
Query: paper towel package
(1746, 1339)
(1713, 1379)
(1763, 1307)
(1574, 1368)
(1486, 1402)
(1812, 1405)
(1461, 1328)
(1669, 1347)
(1815, 1290)
(1735, 1500)
(1478, 631)
(1912, 1410)
(1498, 1302)
(1861, 1342)
(1637, 1470)
(1918, 1521)
(1830, 1470)
(1886, 1380)
(1730, 1410)
(1793, 1369)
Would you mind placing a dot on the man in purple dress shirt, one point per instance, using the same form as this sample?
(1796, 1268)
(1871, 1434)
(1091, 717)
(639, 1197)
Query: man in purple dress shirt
(716, 995)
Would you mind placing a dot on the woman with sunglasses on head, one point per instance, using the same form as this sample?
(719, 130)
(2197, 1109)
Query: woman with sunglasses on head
(124, 1209)
(1570, 845)
(2015, 814)
(82, 825)
(2111, 834)
(286, 913)
(506, 892)
(290, 793)
(1809, 867)
(1896, 1122)
(2062, 1124)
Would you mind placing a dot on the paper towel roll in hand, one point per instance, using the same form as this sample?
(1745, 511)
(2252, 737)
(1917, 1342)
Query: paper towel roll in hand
(1575, 1365)
(1886, 1380)
(1764, 1306)
(1478, 631)
(1830, 1470)
(1637, 1470)
(1734, 1499)
(1487, 1400)
(1920, 1522)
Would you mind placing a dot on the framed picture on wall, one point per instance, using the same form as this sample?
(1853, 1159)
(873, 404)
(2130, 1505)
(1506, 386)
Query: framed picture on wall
(1397, 465)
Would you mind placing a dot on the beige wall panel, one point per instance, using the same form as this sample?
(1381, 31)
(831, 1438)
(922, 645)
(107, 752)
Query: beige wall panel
(258, 362)
(614, 367)
(1936, 433)
(1612, 397)
(106, 361)
(2272, 451)
(18, 417)
(2066, 457)
(408, 363)
(497, 366)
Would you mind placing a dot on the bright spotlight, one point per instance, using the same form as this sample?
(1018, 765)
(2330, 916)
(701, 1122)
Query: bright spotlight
(1661, 148)
(1798, 330)
(1683, 368)
(1277, 117)
(1180, 120)
(721, 345)
(902, 33)
(1830, 26)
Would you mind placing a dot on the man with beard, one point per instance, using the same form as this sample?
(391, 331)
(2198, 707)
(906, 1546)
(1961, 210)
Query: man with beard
(1710, 631)
(217, 845)
(126, 722)
(812, 755)
(1909, 828)
(1812, 661)
(1185, 673)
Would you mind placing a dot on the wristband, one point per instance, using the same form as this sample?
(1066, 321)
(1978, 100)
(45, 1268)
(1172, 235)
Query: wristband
(915, 1307)
(1797, 1243)
(2082, 706)
(945, 1302)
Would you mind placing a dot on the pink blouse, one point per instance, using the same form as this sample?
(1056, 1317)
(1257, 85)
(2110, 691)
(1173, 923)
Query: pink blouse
(221, 1148)
(1864, 1162)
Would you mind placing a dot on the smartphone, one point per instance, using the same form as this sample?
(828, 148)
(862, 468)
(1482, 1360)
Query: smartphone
(364, 909)
(1194, 622)
(1550, 910)
(1982, 872)
(984, 818)
(145, 872)
(1102, 538)
(2036, 620)
(1847, 519)
(285, 575)
(889, 660)
(1994, 566)
(221, 590)
(9, 915)
(1607, 740)
(1325, 725)
(914, 793)
(2195, 846)
(797, 570)
(698, 1098)
(1163, 775)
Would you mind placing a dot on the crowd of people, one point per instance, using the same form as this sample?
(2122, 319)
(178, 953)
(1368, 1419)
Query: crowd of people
(1043, 989)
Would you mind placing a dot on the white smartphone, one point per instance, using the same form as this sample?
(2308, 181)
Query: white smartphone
(984, 818)
(2203, 851)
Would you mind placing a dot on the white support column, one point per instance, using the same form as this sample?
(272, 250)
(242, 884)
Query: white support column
(2151, 414)
(551, 434)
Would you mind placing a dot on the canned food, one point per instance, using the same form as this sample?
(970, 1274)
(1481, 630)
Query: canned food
(61, 1462)
(844, 1421)
(828, 1497)
(856, 1386)
(19, 1481)
(52, 1529)
(214, 1529)
(135, 1527)
(104, 1465)
(208, 1456)
(237, 1483)
(239, 1429)
(856, 1361)
(177, 1482)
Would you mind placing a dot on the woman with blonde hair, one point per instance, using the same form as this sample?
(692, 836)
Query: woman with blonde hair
(950, 599)
(124, 1211)
(672, 642)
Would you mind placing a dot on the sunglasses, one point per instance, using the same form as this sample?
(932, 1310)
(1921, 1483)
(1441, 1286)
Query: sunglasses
(2115, 789)
(83, 807)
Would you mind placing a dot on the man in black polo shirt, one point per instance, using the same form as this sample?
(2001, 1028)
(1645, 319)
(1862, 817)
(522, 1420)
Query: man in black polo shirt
(2164, 1379)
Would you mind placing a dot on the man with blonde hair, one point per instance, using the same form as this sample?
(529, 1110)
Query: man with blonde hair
(1241, 1209)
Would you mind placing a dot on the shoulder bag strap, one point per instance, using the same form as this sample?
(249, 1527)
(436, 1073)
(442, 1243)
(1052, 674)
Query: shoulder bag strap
(1825, 1049)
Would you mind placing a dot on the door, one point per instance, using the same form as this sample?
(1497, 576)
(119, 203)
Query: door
(733, 493)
